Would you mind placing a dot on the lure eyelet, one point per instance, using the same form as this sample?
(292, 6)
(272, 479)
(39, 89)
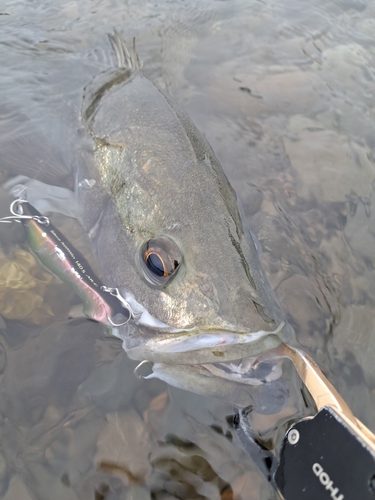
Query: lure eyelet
(160, 260)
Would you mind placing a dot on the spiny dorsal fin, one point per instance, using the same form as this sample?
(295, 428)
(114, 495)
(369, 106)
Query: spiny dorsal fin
(127, 66)
(124, 58)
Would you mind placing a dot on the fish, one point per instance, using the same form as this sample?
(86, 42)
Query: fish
(165, 225)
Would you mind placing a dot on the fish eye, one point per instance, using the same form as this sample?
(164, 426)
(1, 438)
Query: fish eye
(160, 259)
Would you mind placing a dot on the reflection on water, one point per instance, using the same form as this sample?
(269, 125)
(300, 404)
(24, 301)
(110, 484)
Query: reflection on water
(284, 92)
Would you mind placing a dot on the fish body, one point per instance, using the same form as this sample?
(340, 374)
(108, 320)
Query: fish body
(154, 178)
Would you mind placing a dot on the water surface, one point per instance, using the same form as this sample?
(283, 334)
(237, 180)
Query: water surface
(284, 92)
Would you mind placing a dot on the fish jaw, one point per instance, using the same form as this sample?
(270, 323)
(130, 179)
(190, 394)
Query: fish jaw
(197, 347)
(147, 338)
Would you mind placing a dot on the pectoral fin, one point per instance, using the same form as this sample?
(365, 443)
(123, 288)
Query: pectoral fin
(44, 197)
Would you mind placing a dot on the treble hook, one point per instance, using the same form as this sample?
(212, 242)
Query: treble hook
(116, 293)
(18, 216)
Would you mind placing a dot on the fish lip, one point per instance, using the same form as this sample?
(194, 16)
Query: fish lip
(195, 339)
(196, 346)
(148, 338)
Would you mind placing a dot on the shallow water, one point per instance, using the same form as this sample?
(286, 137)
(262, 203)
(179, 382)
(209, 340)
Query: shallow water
(284, 92)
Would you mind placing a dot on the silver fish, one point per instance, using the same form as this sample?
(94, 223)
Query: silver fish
(165, 226)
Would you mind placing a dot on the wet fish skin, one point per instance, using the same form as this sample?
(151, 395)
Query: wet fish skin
(153, 174)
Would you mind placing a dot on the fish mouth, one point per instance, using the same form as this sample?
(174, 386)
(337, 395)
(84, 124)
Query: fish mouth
(147, 338)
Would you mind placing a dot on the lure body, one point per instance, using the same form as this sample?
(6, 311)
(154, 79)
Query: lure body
(58, 255)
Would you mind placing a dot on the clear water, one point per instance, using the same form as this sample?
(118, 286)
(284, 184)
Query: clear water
(284, 91)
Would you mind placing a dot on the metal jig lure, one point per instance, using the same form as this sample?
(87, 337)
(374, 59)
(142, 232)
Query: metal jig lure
(58, 255)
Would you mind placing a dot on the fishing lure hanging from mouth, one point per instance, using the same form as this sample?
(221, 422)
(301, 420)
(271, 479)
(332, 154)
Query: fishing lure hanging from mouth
(54, 251)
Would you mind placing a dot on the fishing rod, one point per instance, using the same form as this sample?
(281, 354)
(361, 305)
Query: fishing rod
(330, 456)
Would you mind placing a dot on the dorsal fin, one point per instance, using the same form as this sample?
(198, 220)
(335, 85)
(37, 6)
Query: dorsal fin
(127, 66)
(125, 60)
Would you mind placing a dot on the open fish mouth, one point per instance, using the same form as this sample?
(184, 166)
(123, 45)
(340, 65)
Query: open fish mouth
(147, 338)
(217, 363)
